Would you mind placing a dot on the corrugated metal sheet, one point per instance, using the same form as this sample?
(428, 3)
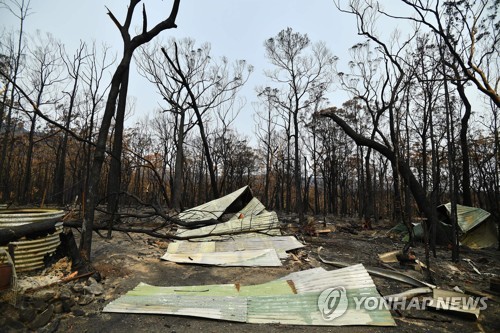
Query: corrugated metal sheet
(17, 217)
(468, 217)
(212, 209)
(226, 302)
(262, 222)
(254, 207)
(274, 287)
(214, 307)
(29, 254)
(250, 258)
(280, 243)
(484, 235)
(352, 277)
(302, 309)
(273, 302)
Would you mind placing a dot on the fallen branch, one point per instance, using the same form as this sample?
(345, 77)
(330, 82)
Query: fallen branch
(159, 211)
(152, 232)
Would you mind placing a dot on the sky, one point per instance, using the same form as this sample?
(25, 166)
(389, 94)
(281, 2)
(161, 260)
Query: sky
(236, 29)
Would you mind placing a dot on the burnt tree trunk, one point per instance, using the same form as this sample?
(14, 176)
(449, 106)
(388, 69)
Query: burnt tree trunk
(129, 46)
(404, 169)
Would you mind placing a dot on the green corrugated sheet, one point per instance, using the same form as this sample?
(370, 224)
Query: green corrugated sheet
(468, 217)
(273, 302)
(302, 309)
(215, 307)
(477, 230)
(484, 235)
(280, 287)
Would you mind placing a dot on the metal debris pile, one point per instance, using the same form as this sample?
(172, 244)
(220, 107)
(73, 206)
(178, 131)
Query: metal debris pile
(235, 230)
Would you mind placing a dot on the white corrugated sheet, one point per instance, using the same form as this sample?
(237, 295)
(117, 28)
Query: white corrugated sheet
(280, 243)
(212, 209)
(251, 258)
(262, 222)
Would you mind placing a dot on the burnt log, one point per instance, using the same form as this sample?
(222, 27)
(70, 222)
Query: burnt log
(29, 231)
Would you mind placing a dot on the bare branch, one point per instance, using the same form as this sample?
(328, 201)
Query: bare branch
(114, 19)
(144, 19)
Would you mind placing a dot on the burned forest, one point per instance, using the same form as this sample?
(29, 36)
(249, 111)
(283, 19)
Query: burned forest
(157, 184)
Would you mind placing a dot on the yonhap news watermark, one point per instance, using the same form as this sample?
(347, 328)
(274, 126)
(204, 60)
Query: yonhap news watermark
(334, 302)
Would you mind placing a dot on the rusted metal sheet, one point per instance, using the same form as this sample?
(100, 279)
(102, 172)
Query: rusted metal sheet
(29, 254)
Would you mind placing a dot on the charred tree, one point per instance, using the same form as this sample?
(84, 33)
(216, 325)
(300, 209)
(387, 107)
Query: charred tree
(120, 77)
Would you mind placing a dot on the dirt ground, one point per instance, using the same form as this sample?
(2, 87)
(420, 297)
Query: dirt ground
(125, 260)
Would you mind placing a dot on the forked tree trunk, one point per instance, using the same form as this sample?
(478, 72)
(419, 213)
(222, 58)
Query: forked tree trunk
(118, 79)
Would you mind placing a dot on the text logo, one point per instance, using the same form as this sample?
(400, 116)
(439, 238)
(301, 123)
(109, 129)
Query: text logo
(332, 303)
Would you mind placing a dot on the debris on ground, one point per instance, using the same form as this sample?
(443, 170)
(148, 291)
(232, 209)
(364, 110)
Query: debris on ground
(55, 299)
(477, 230)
